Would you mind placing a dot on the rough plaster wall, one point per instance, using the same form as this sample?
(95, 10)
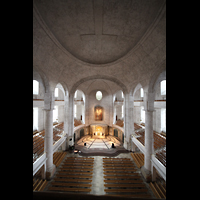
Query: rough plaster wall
(119, 112)
(137, 114)
(78, 111)
(60, 114)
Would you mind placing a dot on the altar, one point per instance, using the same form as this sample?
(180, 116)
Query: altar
(99, 135)
(98, 131)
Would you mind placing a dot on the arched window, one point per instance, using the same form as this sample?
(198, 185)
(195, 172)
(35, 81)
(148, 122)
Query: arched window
(141, 92)
(35, 87)
(56, 92)
(163, 87)
(98, 95)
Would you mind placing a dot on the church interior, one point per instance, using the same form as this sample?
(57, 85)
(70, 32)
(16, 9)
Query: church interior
(99, 99)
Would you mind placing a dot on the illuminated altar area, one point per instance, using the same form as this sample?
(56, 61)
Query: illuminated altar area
(98, 131)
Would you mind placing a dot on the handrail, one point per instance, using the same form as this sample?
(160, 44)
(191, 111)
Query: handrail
(159, 166)
(38, 163)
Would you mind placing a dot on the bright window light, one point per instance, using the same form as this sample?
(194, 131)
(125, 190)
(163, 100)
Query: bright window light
(55, 114)
(141, 92)
(142, 114)
(75, 95)
(163, 119)
(163, 87)
(99, 95)
(35, 118)
(75, 111)
(56, 92)
(35, 87)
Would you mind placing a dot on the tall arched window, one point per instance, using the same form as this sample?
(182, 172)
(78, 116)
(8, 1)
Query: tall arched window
(35, 87)
(163, 87)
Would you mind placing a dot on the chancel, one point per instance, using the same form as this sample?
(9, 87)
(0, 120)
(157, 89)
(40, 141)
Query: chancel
(99, 99)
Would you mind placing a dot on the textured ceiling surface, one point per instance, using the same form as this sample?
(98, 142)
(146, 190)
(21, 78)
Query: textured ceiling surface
(122, 42)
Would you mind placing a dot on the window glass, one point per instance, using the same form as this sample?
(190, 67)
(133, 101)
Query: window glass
(163, 87)
(141, 92)
(35, 87)
(98, 95)
(56, 92)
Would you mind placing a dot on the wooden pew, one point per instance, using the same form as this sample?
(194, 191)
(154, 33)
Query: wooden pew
(65, 189)
(126, 185)
(72, 180)
(71, 184)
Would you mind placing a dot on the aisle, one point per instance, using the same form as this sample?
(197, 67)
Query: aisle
(98, 143)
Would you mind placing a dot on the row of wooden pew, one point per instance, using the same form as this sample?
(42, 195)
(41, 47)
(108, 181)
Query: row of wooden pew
(58, 157)
(122, 179)
(120, 122)
(38, 140)
(77, 122)
(159, 189)
(74, 175)
(138, 159)
(136, 126)
(39, 184)
(60, 126)
(159, 141)
(161, 156)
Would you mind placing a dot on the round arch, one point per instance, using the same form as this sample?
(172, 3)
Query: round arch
(119, 83)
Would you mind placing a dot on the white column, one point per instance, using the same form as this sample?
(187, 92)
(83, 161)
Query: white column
(48, 139)
(128, 120)
(149, 108)
(71, 117)
(86, 110)
(148, 139)
(66, 101)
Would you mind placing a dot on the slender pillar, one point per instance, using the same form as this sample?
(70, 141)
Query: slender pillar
(149, 108)
(71, 119)
(48, 140)
(128, 120)
(148, 139)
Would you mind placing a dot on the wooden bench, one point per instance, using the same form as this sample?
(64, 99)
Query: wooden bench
(119, 170)
(125, 185)
(117, 162)
(72, 172)
(71, 184)
(139, 180)
(143, 196)
(69, 189)
(138, 158)
(117, 159)
(58, 157)
(118, 165)
(158, 190)
(72, 180)
(75, 169)
(122, 177)
(79, 161)
(125, 168)
(73, 176)
(117, 173)
(126, 190)
(79, 158)
(78, 166)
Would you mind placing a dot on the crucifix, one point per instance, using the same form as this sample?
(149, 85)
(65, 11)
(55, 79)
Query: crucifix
(98, 36)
